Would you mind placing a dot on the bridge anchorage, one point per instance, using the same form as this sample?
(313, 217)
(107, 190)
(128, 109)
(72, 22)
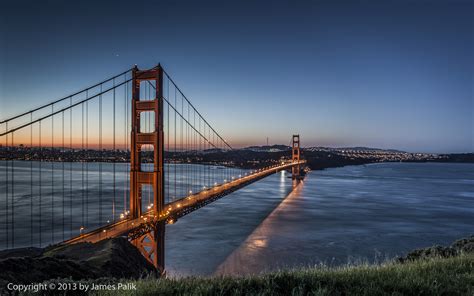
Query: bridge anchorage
(169, 162)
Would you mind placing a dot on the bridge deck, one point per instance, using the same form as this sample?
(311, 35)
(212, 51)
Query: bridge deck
(178, 208)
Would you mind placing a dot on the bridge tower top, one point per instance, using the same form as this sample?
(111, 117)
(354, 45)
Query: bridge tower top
(295, 148)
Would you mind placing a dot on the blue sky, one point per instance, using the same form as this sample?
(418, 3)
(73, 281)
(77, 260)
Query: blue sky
(396, 74)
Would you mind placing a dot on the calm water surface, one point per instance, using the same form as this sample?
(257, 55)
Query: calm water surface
(337, 216)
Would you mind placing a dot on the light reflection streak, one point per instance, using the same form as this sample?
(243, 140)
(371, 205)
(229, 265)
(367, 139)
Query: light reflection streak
(248, 257)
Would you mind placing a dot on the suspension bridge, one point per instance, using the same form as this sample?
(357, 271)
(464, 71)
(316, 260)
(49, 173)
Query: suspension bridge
(123, 157)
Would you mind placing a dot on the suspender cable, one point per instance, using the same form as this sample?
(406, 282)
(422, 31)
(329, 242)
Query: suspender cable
(168, 142)
(87, 161)
(194, 149)
(82, 168)
(40, 187)
(62, 166)
(31, 182)
(182, 148)
(100, 155)
(7, 187)
(13, 195)
(200, 149)
(70, 167)
(127, 128)
(52, 174)
(125, 146)
(114, 154)
(188, 151)
(208, 163)
(175, 148)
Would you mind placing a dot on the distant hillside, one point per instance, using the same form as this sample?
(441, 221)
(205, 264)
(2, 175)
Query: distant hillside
(272, 148)
(352, 149)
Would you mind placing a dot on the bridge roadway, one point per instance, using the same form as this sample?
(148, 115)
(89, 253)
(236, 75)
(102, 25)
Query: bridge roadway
(179, 208)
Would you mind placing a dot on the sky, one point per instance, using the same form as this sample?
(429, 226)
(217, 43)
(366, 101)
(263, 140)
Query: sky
(386, 74)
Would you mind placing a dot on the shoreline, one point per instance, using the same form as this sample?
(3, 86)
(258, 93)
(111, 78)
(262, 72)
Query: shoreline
(436, 270)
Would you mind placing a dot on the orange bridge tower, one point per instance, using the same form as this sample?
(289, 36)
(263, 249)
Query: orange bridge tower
(295, 156)
(150, 244)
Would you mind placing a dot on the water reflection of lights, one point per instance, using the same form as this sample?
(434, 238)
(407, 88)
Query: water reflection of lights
(255, 253)
(282, 181)
(259, 243)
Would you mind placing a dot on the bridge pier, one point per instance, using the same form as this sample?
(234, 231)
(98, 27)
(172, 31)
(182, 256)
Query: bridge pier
(150, 244)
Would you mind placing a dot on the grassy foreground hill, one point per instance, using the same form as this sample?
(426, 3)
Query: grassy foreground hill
(432, 276)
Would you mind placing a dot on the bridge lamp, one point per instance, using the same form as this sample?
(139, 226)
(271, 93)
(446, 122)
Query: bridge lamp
(240, 176)
(190, 192)
(108, 221)
(179, 205)
(149, 207)
(232, 177)
(122, 216)
(104, 230)
(81, 229)
(225, 180)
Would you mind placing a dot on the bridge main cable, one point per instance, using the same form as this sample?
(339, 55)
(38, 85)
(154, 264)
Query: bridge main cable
(64, 98)
(176, 86)
(65, 108)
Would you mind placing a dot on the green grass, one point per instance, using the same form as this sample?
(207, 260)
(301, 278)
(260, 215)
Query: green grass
(438, 276)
